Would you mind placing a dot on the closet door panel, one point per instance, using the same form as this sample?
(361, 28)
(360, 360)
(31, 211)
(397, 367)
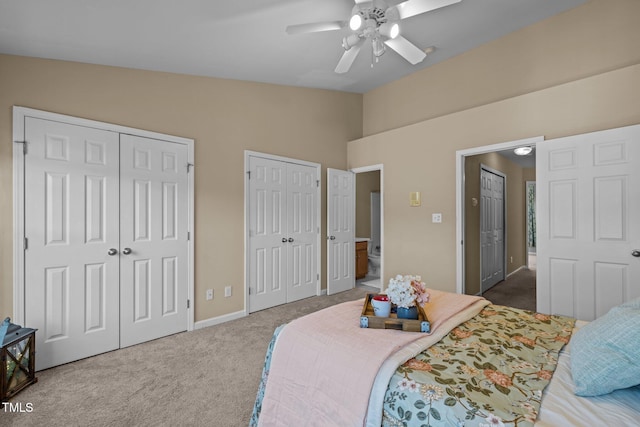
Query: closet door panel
(153, 236)
(71, 224)
(267, 230)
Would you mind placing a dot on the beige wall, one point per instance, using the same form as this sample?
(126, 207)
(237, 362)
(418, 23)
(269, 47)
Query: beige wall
(600, 36)
(225, 117)
(515, 216)
(421, 157)
(573, 73)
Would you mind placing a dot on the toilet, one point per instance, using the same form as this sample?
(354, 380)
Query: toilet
(374, 260)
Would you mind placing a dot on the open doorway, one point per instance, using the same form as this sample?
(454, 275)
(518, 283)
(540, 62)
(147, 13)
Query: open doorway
(369, 226)
(515, 258)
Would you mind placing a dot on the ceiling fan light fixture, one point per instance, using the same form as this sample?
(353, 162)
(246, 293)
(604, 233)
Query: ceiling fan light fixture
(356, 22)
(350, 41)
(523, 151)
(390, 29)
(378, 47)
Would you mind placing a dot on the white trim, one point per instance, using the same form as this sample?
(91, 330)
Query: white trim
(460, 156)
(220, 319)
(522, 267)
(18, 218)
(371, 168)
(247, 155)
(19, 116)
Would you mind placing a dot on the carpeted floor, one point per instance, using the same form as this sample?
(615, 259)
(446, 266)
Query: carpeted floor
(518, 290)
(208, 377)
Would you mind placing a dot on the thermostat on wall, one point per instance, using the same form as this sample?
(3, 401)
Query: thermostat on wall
(414, 198)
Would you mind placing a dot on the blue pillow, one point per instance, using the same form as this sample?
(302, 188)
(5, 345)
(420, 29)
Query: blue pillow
(605, 354)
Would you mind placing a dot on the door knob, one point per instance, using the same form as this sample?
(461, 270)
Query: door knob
(284, 240)
(635, 253)
(112, 251)
(332, 237)
(126, 251)
(290, 239)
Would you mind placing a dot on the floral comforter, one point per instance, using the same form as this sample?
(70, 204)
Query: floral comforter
(489, 371)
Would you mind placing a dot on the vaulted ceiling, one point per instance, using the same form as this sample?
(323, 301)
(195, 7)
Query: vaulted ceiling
(246, 40)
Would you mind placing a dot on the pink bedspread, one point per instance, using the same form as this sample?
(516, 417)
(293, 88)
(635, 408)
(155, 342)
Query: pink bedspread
(324, 365)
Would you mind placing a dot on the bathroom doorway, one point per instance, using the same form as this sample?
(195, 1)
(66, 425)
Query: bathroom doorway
(369, 224)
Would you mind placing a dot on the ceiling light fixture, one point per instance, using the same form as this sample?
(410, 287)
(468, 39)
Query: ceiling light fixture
(378, 47)
(523, 151)
(389, 29)
(356, 21)
(350, 41)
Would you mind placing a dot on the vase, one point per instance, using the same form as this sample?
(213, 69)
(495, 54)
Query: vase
(407, 313)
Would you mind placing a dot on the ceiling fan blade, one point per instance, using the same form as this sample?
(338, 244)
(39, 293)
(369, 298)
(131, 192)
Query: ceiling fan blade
(316, 27)
(406, 49)
(347, 58)
(410, 8)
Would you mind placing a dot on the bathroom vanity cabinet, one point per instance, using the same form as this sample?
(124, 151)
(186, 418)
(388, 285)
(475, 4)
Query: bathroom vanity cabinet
(362, 260)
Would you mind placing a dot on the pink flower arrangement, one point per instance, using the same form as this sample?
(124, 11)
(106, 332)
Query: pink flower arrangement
(407, 291)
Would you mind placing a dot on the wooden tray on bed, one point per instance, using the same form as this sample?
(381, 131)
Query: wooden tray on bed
(369, 320)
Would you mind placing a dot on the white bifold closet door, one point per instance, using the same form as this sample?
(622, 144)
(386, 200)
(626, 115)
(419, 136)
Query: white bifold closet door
(283, 232)
(153, 238)
(105, 223)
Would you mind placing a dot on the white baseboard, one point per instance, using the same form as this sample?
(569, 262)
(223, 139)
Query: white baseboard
(218, 320)
(516, 270)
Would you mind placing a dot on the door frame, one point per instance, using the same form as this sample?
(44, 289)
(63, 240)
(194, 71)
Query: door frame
(377, 167)
(19, 115)
(504, 223)
(460, 197)
(247, 197)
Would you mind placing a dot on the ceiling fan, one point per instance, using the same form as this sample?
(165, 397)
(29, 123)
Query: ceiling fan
(377, 23)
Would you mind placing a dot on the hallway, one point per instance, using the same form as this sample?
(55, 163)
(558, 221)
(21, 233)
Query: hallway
(518, 290)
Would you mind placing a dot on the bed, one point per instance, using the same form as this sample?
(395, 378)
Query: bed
(481, 365)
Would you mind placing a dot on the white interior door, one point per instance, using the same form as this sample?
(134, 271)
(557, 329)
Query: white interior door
(72, 230)
(267, 233)
(283, 228)
(302, 232)
(492, 251)
(106, 252)
(153, 238)
(588, 201)
(341, 252)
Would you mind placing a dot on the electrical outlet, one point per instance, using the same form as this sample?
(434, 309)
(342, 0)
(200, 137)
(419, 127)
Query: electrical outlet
(436, 217)
(209, 294)
(227, 291)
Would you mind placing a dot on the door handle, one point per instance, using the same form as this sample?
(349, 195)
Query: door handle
(290, 239)
(126, 251)
(332, 237)
(112, 251)
(284, 240)
(635, 253)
